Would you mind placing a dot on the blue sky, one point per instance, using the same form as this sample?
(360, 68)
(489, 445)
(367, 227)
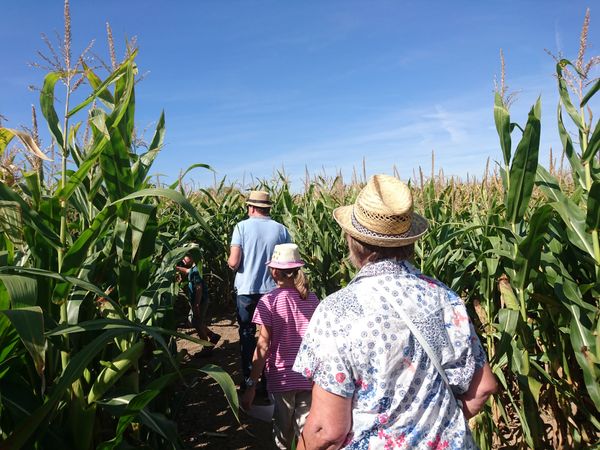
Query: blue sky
(249, 87)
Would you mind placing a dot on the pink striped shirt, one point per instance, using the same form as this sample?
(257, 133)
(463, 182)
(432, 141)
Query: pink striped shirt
(287, 314)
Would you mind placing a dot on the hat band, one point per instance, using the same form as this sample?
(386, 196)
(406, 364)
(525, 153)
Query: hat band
(262, 202)
(360, 228)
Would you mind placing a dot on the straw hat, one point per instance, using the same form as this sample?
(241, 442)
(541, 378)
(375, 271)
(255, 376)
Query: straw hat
(285, 256)
(260, 199)
(382, 214)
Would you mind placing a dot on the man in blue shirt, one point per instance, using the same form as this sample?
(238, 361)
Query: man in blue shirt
(252, 245)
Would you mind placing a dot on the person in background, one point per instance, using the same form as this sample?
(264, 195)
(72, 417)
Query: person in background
(199, 301)
(393, 355)
(283, 315)
(252, 245)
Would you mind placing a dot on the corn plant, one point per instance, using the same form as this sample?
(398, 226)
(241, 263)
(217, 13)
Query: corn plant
(87, 284)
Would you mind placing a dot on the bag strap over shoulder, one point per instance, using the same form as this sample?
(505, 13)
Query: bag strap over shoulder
(419, 336)
(412, 327)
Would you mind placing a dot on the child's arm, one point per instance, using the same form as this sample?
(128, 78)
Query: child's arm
(182, 270)
(258, 364)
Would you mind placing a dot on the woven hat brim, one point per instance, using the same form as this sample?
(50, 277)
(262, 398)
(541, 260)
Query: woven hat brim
(285, 265)
(343, 216)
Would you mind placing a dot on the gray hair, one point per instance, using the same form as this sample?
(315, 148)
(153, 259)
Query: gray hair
(362, 253)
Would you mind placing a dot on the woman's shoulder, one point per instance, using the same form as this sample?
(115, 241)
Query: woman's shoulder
(279, 294)
(342, 304)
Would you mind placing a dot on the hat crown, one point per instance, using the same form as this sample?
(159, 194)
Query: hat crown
(384, 206)
(259, 198)
(286, 256)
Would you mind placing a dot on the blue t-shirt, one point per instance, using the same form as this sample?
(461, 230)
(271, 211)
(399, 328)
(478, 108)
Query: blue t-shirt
(257, 236)
(195, 279)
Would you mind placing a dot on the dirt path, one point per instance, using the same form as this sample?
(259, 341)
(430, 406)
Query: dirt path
(204, 419)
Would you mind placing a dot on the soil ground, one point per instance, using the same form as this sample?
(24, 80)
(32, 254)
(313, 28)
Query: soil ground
(203, 417)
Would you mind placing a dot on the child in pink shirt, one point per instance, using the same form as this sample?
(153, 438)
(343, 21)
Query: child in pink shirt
(283, 314)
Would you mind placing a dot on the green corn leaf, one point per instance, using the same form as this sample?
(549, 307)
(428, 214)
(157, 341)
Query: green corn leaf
(502, 120)
(535, 388)
(98, 121)
(542, 372)
(119, 72)
(226, 383)
(29, 323)
(120, 324)
(573, 216)
(124, 96)
(189, 169)
(592, 220)
(569, 292)
(584, 347)
(75, 179)
(81, 418)
(116, 167)
(530, 249)
(575, 219)
(141, 223)
(23, 291)
(523, 167)
(166, 428)
(118, 366)
(127, 270)
(32, 179)
(215, 372)
(76, 299)
(565, 97)
(78, 363)
(72, 142)
(141, 167)
(572, 156)
(95, 82)
(593, 145)
(508, 321)
(581, 334)
(78, 250)
(590, 93)
(549, 185)
(64, 278)
(175, 197)
(11, 222)
(30, 217)
(47, 106)
(135, 405)
(5, 137)
(530, 417)
(597, 333)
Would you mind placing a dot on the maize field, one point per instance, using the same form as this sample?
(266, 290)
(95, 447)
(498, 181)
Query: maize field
(87, 279)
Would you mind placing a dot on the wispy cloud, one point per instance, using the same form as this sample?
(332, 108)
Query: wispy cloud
(557, 38)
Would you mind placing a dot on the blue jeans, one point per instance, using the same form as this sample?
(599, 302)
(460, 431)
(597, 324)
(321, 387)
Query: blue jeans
(246, 304)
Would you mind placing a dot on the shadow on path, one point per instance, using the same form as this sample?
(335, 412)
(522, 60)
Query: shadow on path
(203, 416)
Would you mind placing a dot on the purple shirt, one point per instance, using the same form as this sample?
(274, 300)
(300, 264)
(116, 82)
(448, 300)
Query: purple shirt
(287, 314)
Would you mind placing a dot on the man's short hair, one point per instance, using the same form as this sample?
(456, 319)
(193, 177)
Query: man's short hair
(261, 210)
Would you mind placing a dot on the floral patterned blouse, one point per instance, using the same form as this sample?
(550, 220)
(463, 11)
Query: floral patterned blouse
(357, 346)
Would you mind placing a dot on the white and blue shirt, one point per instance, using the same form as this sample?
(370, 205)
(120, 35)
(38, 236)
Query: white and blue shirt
(358, 347)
